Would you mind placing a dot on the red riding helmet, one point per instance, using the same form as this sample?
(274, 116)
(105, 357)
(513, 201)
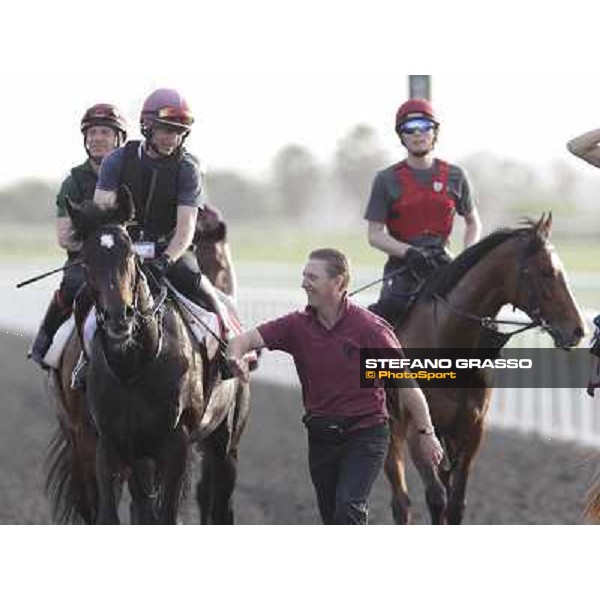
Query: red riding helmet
(166, 107)
(105, 115)
(416, 107)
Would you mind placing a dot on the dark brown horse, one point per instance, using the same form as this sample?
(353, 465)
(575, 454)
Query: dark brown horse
(149, 388)
(513, 266)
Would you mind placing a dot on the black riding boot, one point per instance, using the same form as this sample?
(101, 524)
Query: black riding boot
(55, 316)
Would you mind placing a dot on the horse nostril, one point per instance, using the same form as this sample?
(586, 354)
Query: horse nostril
(579, 333)
(129, 312)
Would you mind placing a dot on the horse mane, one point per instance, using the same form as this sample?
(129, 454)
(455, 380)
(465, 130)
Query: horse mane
(448, 276)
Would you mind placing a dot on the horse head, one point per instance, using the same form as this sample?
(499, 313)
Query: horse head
(210, 225)
(110, 262)
(542, 290)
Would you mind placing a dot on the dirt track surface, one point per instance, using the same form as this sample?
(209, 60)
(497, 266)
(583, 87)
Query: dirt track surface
(516, 480)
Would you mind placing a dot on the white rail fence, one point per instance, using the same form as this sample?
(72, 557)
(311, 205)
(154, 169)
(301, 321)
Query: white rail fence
(556, 414)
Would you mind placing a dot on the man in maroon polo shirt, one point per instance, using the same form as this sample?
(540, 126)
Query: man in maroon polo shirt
(347, 425)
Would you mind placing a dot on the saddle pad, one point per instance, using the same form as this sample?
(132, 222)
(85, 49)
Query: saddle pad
(197, 318)
(229, 309)
(52, 358)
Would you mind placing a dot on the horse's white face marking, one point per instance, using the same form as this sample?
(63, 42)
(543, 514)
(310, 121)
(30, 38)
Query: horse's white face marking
(107, 240)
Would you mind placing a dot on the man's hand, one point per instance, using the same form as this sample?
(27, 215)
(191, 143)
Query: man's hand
(418, 262)
(159, 266)
(430, 447)
(239, 368)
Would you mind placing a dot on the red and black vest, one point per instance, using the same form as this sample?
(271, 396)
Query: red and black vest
(421, 209)
(153, 186)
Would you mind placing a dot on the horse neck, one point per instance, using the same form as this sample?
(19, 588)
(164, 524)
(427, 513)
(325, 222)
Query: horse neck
(214, 262)
(482, 292)
(491, 283)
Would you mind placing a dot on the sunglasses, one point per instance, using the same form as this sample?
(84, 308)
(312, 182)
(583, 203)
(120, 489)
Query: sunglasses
(417, 125)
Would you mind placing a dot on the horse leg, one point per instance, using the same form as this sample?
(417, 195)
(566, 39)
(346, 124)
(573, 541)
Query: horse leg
(219, 474)
(174, 460)
(107, 477)
(394, 470)
(144, 493)
(435, 491)
(204, 486)
(460, 475)
(85, 449)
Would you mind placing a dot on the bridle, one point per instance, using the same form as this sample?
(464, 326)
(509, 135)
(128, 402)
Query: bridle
(139, 316)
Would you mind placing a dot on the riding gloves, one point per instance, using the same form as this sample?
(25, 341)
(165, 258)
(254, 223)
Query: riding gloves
(159, 266)
(418, 262)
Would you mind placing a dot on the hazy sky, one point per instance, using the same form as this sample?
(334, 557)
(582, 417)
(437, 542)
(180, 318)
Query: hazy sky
(260, 75)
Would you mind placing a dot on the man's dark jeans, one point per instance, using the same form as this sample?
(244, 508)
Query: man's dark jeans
(343, 474)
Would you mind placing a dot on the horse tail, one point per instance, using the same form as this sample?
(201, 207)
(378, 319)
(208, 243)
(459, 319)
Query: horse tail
(72, 497)
(592, 508)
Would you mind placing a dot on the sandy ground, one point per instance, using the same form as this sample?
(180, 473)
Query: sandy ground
(517, 480)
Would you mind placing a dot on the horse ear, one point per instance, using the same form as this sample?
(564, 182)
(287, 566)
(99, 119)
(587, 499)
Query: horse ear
(546, 226)
(79, 213)
(126, 207)
(538, 226)
(73, 208)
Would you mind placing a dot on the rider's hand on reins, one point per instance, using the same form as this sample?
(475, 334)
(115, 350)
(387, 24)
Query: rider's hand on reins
(159, 266)
(418, 262)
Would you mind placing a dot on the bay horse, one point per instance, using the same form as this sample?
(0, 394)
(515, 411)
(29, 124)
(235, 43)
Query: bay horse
(212, 250)
(592, 508)
(149, 388)
(511, 266)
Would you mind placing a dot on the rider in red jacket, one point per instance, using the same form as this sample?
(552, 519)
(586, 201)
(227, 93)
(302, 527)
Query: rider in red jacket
(411, 210)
